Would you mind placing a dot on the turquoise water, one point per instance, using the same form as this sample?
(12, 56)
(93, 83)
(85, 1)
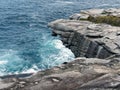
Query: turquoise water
(26, 44)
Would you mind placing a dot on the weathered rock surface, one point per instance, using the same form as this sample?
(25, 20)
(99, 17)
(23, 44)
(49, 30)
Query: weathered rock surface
(97, 67)
(87, 39)
(80, 74)
(84, 14)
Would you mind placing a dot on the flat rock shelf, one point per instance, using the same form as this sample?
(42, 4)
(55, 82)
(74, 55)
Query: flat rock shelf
(96, 45)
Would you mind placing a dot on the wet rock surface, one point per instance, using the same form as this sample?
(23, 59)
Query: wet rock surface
(97, 48)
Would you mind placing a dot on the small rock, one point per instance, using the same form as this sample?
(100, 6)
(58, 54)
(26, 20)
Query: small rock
(22, 82)
(36, 83)
(118, 33)
(55, 80)
(110, 10)
(61, 67)
(11, 89)
(95, 27)
(75, 16)
(22, 86)
(84, 17)
(95, 35)
(14, 79)
(31, 83)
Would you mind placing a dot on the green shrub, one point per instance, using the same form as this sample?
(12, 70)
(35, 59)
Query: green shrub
(112, 20)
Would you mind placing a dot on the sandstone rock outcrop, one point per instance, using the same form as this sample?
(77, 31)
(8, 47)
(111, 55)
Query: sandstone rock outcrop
(84, 14)
(88, 39)
(80, 74)
(97, 48)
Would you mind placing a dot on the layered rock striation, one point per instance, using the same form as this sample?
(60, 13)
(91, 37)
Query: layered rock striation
(88, 39)
(97, 48)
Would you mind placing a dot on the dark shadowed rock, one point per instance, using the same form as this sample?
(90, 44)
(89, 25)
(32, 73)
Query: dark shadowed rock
(97, 48)
(85, 33)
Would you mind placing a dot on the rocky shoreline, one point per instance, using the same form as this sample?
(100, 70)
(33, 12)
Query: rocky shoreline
(97, 50)
(88, 39)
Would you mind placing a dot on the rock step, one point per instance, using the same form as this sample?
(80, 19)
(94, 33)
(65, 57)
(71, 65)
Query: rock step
(87, 39)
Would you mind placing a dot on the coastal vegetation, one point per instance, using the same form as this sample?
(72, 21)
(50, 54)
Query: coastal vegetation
(112, 20)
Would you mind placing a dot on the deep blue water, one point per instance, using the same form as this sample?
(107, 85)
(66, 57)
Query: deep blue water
(26, 44)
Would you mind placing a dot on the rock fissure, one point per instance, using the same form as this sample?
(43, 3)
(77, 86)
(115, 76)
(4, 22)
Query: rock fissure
(84, 44)
(97, 48)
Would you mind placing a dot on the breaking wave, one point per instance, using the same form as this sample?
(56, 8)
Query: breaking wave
(26, 44)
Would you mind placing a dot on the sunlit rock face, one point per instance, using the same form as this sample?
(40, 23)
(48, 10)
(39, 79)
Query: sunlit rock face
(88, 39)
(97, 65)
(26, 45)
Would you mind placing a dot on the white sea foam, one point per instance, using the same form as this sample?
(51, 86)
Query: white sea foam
(9, 60)
(103, 5)
(64, 55)
(11, 63)
(58, 44)
(33, 69)
(3, 62)
(64, 2)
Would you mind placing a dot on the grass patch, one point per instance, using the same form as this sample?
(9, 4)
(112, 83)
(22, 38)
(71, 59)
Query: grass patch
(112, 20)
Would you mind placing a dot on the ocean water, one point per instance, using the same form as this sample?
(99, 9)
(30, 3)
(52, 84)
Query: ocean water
(26, 44)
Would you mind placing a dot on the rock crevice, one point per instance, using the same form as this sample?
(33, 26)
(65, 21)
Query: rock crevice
(87, 39)
(97, 48)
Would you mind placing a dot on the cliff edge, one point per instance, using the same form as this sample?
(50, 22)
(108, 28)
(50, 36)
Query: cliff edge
(94, 37)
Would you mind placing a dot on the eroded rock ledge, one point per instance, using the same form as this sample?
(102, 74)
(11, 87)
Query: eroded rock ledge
(88, 39)
(97, 48)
